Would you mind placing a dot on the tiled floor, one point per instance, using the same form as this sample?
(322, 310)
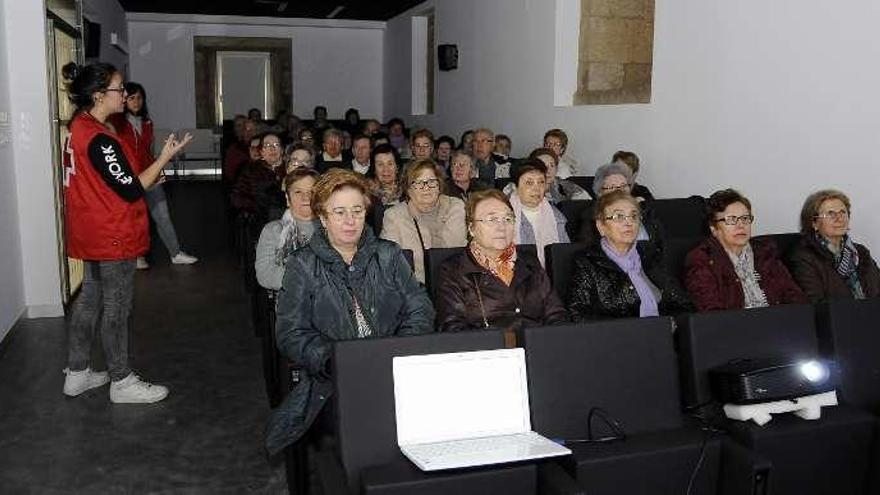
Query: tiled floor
(192, 333)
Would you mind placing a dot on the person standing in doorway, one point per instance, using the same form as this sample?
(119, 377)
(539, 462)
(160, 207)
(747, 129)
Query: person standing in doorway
(135, 128)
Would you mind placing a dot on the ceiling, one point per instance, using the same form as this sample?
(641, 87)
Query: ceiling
(372, 10)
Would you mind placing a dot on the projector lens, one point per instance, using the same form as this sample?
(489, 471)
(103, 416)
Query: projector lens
(814, 371)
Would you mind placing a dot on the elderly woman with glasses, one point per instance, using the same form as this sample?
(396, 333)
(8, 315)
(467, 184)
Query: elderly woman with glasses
(613, 278)
(428, 218)
(344, 284)
(729, 269)
(492, 283)
(826, 263)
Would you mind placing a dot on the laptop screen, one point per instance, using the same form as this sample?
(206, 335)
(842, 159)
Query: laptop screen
(460, 395)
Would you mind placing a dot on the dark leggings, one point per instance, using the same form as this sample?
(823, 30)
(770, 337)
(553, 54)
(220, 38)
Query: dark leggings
(106, 298)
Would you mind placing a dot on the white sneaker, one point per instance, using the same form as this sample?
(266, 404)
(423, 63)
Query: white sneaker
(142, 263)
(133, 390)
(77, 382)
(182, 258)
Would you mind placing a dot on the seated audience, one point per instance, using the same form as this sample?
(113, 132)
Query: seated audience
(306, 137)
(537, 221)
(422, 145)
(371, 126)
(397, 135)
(344, 284)
(490, 284)
(281, 237)
(257, 191)
(444, 147)
(255, 114)
(827, 263)
(236, 154)
(378, 138)
(383, 176)
(618, 177)
(613, 278)
(730, 270)
(631, 160)
(463, 176)
(557, 189)
(428, 218)
(300, 157)
(489, 166)
(502, 146)
(466, 143)
(557, 140)
(293, 126)
(320, 122)
(360, 154)
(353, 121)
(333, 154)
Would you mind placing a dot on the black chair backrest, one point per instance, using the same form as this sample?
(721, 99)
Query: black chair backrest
(367, 434)
(408, 254)
(708, 340)
(435, 257)
(586, 182)
(559, 263)
(626, 367)
(784, 242)
(675, 251)
(848, 332)
(680, 217)
(573, 210)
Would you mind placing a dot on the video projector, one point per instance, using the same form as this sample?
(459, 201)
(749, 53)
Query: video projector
(753, 381)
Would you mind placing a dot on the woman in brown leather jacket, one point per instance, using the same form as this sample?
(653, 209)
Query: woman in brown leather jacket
(826, 263)
(491, 284)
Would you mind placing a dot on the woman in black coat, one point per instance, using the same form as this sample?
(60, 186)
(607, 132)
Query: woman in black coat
(614, 278)
(345, 284)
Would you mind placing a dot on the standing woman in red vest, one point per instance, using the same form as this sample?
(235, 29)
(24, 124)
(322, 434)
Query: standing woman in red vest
(136, 129)
(106, 227)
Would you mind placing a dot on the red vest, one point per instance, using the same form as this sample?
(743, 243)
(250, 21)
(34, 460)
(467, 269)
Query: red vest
(100, 225)
(141, 144)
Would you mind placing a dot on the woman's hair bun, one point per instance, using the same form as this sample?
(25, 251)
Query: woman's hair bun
(70, 71)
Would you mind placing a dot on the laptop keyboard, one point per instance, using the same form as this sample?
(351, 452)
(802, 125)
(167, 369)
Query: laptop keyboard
(476, 445)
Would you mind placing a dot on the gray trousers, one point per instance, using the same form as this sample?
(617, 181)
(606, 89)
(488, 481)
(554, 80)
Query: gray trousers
(158, 205)
(105, 302)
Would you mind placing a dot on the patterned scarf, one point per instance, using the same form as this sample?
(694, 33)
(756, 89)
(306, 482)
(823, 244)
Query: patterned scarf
(290, 239)
(502, 267)
(744, 266)
(846, 263)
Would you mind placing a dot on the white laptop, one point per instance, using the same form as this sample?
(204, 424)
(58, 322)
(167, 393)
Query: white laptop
(466, 409)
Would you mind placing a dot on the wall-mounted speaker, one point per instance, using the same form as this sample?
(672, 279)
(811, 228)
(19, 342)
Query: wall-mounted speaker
(447, 57)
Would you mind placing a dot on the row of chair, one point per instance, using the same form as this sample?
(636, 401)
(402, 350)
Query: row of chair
(631, 369)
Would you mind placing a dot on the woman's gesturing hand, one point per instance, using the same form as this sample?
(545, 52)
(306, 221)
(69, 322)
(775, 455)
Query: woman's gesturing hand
(172, 146)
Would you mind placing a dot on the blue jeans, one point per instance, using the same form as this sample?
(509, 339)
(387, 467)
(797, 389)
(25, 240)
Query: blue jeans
(105, 299)
(158, 205)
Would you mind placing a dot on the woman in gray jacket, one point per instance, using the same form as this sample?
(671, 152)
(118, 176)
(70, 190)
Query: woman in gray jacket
(281, 237)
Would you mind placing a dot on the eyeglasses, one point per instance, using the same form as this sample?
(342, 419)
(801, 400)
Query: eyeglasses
(532, 183)
(622, 218)
(117, 90)
(301, 193)
(272, 145)
(620, 187)
(833, 215)
(339, 214)
(422, 146)
(425, 184)
(505, 220)
(732, 220)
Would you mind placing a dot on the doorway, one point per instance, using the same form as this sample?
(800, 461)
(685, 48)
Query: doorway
(243, 83)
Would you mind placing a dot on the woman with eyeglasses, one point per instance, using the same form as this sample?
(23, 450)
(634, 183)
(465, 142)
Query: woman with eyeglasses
(344, 284)
(106, 226)
(614, 278)
(257, 191)
(729, 269)
(492, 283)
(135, 127)
(428, 218)
(827, 263)
(537, 221)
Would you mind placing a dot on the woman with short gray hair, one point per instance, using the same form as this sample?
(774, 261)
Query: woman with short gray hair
(611, 177)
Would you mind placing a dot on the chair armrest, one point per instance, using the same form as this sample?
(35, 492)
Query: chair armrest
(742, 470)
(554, 480)
(331, 476)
